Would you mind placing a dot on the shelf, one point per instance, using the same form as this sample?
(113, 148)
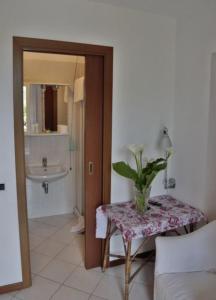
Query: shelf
(47, 134)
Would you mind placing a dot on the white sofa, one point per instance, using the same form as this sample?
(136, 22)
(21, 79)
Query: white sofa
(186, 266)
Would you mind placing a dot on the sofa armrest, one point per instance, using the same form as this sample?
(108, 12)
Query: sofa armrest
(188, 253)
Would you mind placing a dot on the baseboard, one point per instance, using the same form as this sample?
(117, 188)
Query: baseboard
(11, 287)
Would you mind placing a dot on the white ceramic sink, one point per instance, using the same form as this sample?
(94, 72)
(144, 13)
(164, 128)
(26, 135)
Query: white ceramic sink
(41, 174)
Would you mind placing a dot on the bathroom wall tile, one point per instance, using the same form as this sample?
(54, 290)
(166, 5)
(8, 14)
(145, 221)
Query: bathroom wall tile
(41, 204)
(56, 149)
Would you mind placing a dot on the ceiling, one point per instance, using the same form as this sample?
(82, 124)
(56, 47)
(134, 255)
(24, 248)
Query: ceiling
(172, 8)
(53, 57)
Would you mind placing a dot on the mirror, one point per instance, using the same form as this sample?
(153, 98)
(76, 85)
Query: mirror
(45, 107)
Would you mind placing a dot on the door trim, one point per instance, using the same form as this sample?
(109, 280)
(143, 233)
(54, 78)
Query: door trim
(21, 44)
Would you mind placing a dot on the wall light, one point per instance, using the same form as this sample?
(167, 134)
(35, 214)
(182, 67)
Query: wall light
(165, 145)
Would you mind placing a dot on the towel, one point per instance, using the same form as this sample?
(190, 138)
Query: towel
(79, 89)
(101, 224)
(68, 94)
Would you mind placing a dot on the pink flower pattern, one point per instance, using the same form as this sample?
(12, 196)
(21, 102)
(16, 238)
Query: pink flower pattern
(172, 214)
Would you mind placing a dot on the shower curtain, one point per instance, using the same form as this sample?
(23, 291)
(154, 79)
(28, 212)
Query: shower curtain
(76, 120)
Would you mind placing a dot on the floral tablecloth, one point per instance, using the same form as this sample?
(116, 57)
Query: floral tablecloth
(172, 214)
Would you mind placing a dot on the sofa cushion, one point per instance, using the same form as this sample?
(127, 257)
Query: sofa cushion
(186, 286)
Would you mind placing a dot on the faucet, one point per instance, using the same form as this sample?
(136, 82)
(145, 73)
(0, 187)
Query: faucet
(44, 162)
(45, 186)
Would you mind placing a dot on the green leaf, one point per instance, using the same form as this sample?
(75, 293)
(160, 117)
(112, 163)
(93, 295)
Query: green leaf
(155, 170)
(150, 178)
(125, 170)
(152, 164)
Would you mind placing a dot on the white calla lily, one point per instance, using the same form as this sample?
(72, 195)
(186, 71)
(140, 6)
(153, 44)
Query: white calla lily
(143, 175)
(135, 149)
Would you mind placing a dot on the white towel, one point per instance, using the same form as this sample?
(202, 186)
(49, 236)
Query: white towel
(101, 224)
(79, 89)
(68, 94)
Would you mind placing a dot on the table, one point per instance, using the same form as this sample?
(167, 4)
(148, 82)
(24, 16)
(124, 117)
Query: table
(124, 219)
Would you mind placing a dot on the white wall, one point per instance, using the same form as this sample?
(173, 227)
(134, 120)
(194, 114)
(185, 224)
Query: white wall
(143, 95)
(195, 43)
(210, 191)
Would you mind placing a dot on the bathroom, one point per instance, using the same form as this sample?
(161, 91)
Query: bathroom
(53, 117)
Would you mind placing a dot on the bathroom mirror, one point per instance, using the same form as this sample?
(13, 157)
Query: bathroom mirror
(45, 108)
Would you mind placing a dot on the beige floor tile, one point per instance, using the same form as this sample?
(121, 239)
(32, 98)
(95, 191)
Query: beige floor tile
(58, 220)
(141, 291)
(111, 287)
(82, 264)
(6, 297)
(85, 280)
(72, 255)
(43, 230)
(38, 261)
(99, 269)
(96, 298)
(79, 241)
(146, 274)
(58, 270)
(32, 225)
(35, 241)
(50, 247)
(64, 235)
(51, 236)
(67, 293)
(118, 271)
(42, 289)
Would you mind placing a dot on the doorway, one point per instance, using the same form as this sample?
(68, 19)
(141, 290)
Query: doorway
(97, 137)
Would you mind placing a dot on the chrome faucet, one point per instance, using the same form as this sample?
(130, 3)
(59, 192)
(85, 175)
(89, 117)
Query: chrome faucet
(44, 162)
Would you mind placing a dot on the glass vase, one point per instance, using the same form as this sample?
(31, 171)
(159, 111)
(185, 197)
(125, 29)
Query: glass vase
(141, 199)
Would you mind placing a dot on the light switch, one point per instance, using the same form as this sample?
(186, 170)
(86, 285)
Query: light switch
(2, 186)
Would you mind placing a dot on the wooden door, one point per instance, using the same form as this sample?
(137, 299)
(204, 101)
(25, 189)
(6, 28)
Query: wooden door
(93, 155)
(102, 173)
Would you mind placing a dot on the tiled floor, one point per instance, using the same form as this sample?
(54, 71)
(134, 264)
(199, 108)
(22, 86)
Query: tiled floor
(58, 272)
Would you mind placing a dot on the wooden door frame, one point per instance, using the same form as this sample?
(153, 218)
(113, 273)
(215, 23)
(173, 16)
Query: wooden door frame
(21, 44)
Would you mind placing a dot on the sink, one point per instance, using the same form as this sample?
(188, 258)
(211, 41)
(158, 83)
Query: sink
(48, 174)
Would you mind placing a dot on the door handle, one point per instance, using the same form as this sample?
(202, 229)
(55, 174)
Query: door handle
(91, 168)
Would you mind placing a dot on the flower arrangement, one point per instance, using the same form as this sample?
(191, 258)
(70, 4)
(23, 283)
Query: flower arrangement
(142, 176)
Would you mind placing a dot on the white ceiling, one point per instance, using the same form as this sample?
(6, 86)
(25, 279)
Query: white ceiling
(53, 57)
(172, 8)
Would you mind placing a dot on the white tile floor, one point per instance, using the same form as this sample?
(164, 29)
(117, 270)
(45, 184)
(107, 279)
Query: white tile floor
(58, 272)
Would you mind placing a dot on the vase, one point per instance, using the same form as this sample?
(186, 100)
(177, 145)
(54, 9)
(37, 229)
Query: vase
(141, 199)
